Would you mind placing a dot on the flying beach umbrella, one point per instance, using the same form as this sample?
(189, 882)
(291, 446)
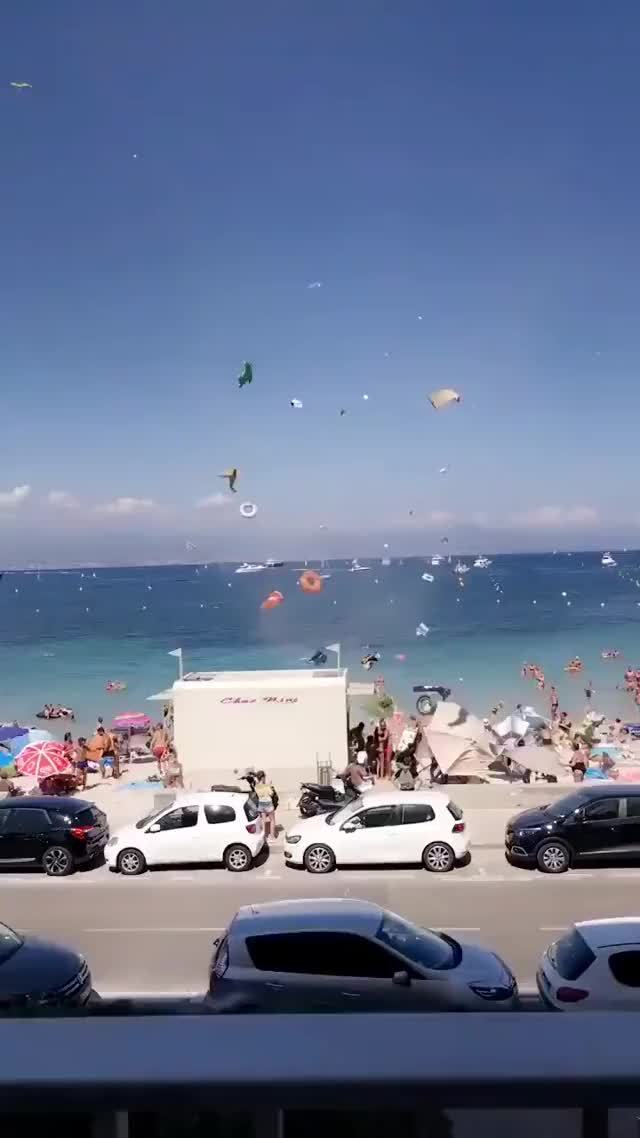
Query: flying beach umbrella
(443, 397)
(43, 759)
(131, 721)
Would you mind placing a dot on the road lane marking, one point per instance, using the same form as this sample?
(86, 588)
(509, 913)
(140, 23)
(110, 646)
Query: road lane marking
(552, 928)
(100, 932)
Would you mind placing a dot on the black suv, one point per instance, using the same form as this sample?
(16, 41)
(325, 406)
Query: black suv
(56, 833)
(601, 822)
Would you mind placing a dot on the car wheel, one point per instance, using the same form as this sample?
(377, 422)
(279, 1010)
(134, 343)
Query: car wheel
(438, 858)
(319, 859)
(237, 859)
(425, 705)
(131, 863)
(553, 857)
(57, 861)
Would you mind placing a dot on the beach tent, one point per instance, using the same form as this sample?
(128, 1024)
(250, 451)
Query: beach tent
(513, 725)
(451, 719)
(459, 756)
(542, 760)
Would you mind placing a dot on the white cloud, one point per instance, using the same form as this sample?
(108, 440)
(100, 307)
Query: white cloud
(11, 498)
(61, 500)
(213, 501)
(555, 517)
(127, 506)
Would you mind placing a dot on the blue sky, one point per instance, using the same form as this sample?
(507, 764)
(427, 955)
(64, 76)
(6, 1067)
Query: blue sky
(471, 164)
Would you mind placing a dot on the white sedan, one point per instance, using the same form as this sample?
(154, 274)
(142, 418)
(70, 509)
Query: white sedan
(594, 966)
(208, 827)
(382, 828)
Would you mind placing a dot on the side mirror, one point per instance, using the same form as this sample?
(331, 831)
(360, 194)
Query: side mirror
(402, 979)
(155, 829)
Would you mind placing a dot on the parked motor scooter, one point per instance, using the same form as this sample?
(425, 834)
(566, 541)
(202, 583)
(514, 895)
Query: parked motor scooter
(319, 799)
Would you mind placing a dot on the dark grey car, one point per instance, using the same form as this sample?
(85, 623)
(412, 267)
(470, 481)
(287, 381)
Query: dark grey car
(344, 955)
(37, 973)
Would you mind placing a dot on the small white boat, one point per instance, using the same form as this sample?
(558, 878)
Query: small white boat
(481, 563)
(248, 568)
(356, 567)
(607, 559)
(437, 559)
(386, 561)
(461, 567)
(271, 564)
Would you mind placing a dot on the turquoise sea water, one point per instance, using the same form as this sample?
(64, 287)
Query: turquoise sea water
(65, 634)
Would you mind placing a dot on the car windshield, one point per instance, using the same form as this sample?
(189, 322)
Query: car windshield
(566, 805)
(10, 942)
(150, 817)
(341, 815)
(421, 946)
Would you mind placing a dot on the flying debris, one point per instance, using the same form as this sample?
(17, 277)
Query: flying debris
(189, 546)
(365, 396)
(21, 86)
(248, 510)
(315, 284)
(422, 629)
(444, 470)
(324, 527)
(296, 403)
(420, 318)
(369, 660)
(444, 540)
(318, 658)
(428, 577)
(273, 600)
(411, 513)
(443, 397)
(232, 477)
(343, 411)
(246, 376)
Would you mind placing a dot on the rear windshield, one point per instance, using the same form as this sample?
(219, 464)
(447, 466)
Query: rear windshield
(251, 810)
(571, 955)
(455, 810)
(86, 817)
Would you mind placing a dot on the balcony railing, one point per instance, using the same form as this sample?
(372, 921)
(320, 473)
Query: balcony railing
(383, 1076)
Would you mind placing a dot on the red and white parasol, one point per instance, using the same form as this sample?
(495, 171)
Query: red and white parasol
(42, 760)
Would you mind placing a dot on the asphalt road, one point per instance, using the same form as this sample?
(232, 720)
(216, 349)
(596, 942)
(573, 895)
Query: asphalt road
(152, 935)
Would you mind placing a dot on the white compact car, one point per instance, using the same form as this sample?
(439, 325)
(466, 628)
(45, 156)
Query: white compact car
(383, 828)
(594, 966)
(209, 827)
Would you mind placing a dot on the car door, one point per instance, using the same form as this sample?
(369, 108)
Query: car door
(631, 824)
(25, 835)
(415, 832)
(328, 972)
(622, 991)
(171, 838)
(600, 833)
(370, 836)
(218, 828)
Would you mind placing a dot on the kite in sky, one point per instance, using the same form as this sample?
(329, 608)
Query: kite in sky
(443, 397)
(246, 375)
(21, 86)
(232, 477)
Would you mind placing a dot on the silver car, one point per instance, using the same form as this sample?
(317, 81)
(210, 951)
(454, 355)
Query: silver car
(343, 955)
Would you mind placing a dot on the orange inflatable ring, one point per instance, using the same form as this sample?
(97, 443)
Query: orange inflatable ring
(311, 582)
(273, 600)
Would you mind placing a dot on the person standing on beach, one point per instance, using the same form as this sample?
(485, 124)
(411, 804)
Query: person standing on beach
(383, 747)
(555, 704)
(80, 762)
(589, 691)
(158, 744)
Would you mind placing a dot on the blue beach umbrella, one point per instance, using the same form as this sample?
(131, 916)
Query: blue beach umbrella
(12, 731)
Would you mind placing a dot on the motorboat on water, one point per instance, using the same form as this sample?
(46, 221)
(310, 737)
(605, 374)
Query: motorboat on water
(607, 559)
(356, 567)
(246, 567)
(271, 564)
(461, 567)
(481, 563)
(437, 559)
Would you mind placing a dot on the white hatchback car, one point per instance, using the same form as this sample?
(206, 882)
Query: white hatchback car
(384, 828)
(207, 827)
(594, 966)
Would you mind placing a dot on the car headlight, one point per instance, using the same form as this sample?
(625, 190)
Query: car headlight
(292, 839)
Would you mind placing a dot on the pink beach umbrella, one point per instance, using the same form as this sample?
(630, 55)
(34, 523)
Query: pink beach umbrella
(42, 760)
(133, 721)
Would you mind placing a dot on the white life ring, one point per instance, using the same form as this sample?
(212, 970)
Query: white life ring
(248, 509)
